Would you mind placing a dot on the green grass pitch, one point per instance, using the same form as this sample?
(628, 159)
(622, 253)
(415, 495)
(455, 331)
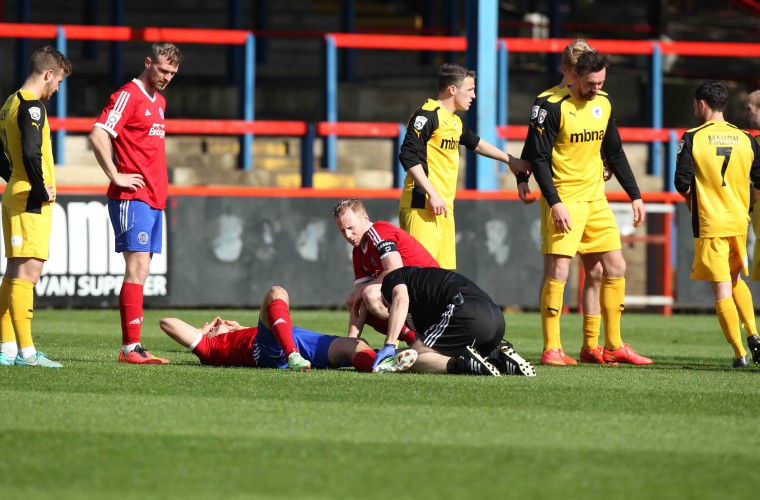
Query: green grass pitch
(683, 428)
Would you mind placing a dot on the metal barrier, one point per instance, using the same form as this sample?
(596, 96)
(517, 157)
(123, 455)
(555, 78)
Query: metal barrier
(655, 135)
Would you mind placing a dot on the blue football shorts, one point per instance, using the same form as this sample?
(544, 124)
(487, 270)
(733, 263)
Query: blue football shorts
(312, 346)
(136, 225)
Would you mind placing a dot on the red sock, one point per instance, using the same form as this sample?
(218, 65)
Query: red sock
(380, 325)
(407, 335)
(281, 325)
(364, 359)
(131, 309)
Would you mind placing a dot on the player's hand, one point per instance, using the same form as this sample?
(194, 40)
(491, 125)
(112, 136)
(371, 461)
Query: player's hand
(561, 218)
(209, 326)
(524, 190)
(232, 324)
(386, 352)
(518, 165)
(438, 206)
(606, 171)
(639, 212)
(129, 181)
(50, 192)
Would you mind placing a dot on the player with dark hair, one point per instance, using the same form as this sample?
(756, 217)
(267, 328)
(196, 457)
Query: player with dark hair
(572, 128)
(430, 157)
(590, 351)
(26, 163)
(379, 247)
(715, 162)
(459, 328)
(131, 128)
(226, 343)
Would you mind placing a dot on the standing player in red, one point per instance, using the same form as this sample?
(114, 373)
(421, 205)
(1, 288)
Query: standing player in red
(131, 128)
(379, 248)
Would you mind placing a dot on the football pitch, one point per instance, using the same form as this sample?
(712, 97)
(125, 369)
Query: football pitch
(683, 428)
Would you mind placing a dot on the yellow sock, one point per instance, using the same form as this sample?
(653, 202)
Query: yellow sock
(6, 326)
(743, 300)
(612, 300)
(591, 324)
(22, 311)
(728, 317)
(551, 307)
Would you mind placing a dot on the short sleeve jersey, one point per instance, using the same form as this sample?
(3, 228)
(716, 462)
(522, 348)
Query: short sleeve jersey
(566, 153)
(25, 137)
(716, 160)
(228, 349)
(381, 239)
(135, 121)
(430, 291)
(433, 136)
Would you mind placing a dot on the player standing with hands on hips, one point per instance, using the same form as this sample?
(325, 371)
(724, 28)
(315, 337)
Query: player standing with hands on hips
(26, 163)
(131, 128)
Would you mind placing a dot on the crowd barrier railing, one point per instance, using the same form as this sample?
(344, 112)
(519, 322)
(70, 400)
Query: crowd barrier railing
(333, 41)
(309, 132)
(65, 32)
(653, 48)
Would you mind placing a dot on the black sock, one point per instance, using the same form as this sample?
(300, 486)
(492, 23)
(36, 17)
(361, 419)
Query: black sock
(455, 365)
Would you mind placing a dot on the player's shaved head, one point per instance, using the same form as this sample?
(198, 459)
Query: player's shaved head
(752, 109)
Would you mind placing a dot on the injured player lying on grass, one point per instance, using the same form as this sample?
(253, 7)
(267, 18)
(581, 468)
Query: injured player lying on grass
(276, 343)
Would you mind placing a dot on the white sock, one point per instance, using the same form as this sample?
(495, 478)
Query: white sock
(25, 352)
(126, 349)
(10, 349)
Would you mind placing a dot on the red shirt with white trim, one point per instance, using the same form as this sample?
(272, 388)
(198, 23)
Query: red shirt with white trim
(228, 349)
(381, 239)
(135, 121)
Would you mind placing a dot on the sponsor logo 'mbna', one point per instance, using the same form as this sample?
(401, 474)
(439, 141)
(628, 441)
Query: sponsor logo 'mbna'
(587, 136)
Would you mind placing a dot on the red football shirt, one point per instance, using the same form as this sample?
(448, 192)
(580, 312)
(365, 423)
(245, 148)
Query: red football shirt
(228, 349)
(381, 239)
(135, 121)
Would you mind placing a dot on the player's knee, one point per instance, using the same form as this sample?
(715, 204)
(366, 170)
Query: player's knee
(277, 293)
(350, 301)
(371, 297)
(595, 273)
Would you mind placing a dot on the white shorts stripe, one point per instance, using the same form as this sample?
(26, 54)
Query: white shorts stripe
(435, 331)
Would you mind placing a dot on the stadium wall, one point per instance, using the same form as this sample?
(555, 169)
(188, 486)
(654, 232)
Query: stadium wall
(226, 248)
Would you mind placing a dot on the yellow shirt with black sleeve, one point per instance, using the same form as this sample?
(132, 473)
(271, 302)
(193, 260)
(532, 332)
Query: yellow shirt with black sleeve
(540, 100)
(433, 136)
(566, 154)
(715, 160)
(29, 164)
